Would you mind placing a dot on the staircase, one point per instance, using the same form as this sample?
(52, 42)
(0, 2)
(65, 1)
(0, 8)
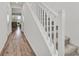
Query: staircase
(44, 28)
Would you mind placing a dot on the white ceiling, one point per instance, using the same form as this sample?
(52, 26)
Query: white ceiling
(16, 7)
(16, 4)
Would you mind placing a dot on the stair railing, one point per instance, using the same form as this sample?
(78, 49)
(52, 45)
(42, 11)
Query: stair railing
(50, 20)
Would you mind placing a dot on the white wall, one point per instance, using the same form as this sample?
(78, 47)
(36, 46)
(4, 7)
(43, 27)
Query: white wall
(72, 18)
(4, 10)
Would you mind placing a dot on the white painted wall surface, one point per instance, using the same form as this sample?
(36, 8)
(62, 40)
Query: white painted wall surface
(72, 18)
(4, 11)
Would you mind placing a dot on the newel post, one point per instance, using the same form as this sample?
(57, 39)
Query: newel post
(61, 33)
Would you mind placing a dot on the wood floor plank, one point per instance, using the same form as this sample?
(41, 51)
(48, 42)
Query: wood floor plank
(17, 46)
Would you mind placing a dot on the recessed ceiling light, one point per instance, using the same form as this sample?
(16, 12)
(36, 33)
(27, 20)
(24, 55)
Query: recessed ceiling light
(18, 17)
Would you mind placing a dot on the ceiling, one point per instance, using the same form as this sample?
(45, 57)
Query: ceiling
(16, 7)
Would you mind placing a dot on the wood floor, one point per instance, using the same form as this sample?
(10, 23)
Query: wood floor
(17, 46)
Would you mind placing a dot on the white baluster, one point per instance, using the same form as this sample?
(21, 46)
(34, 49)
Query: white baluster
(45, 21)
(55, 36)
(41, 15)
(51, 31)
(36, 10)
(48, 26)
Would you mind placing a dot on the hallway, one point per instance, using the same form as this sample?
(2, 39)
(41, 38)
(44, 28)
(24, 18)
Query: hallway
(17, 45)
